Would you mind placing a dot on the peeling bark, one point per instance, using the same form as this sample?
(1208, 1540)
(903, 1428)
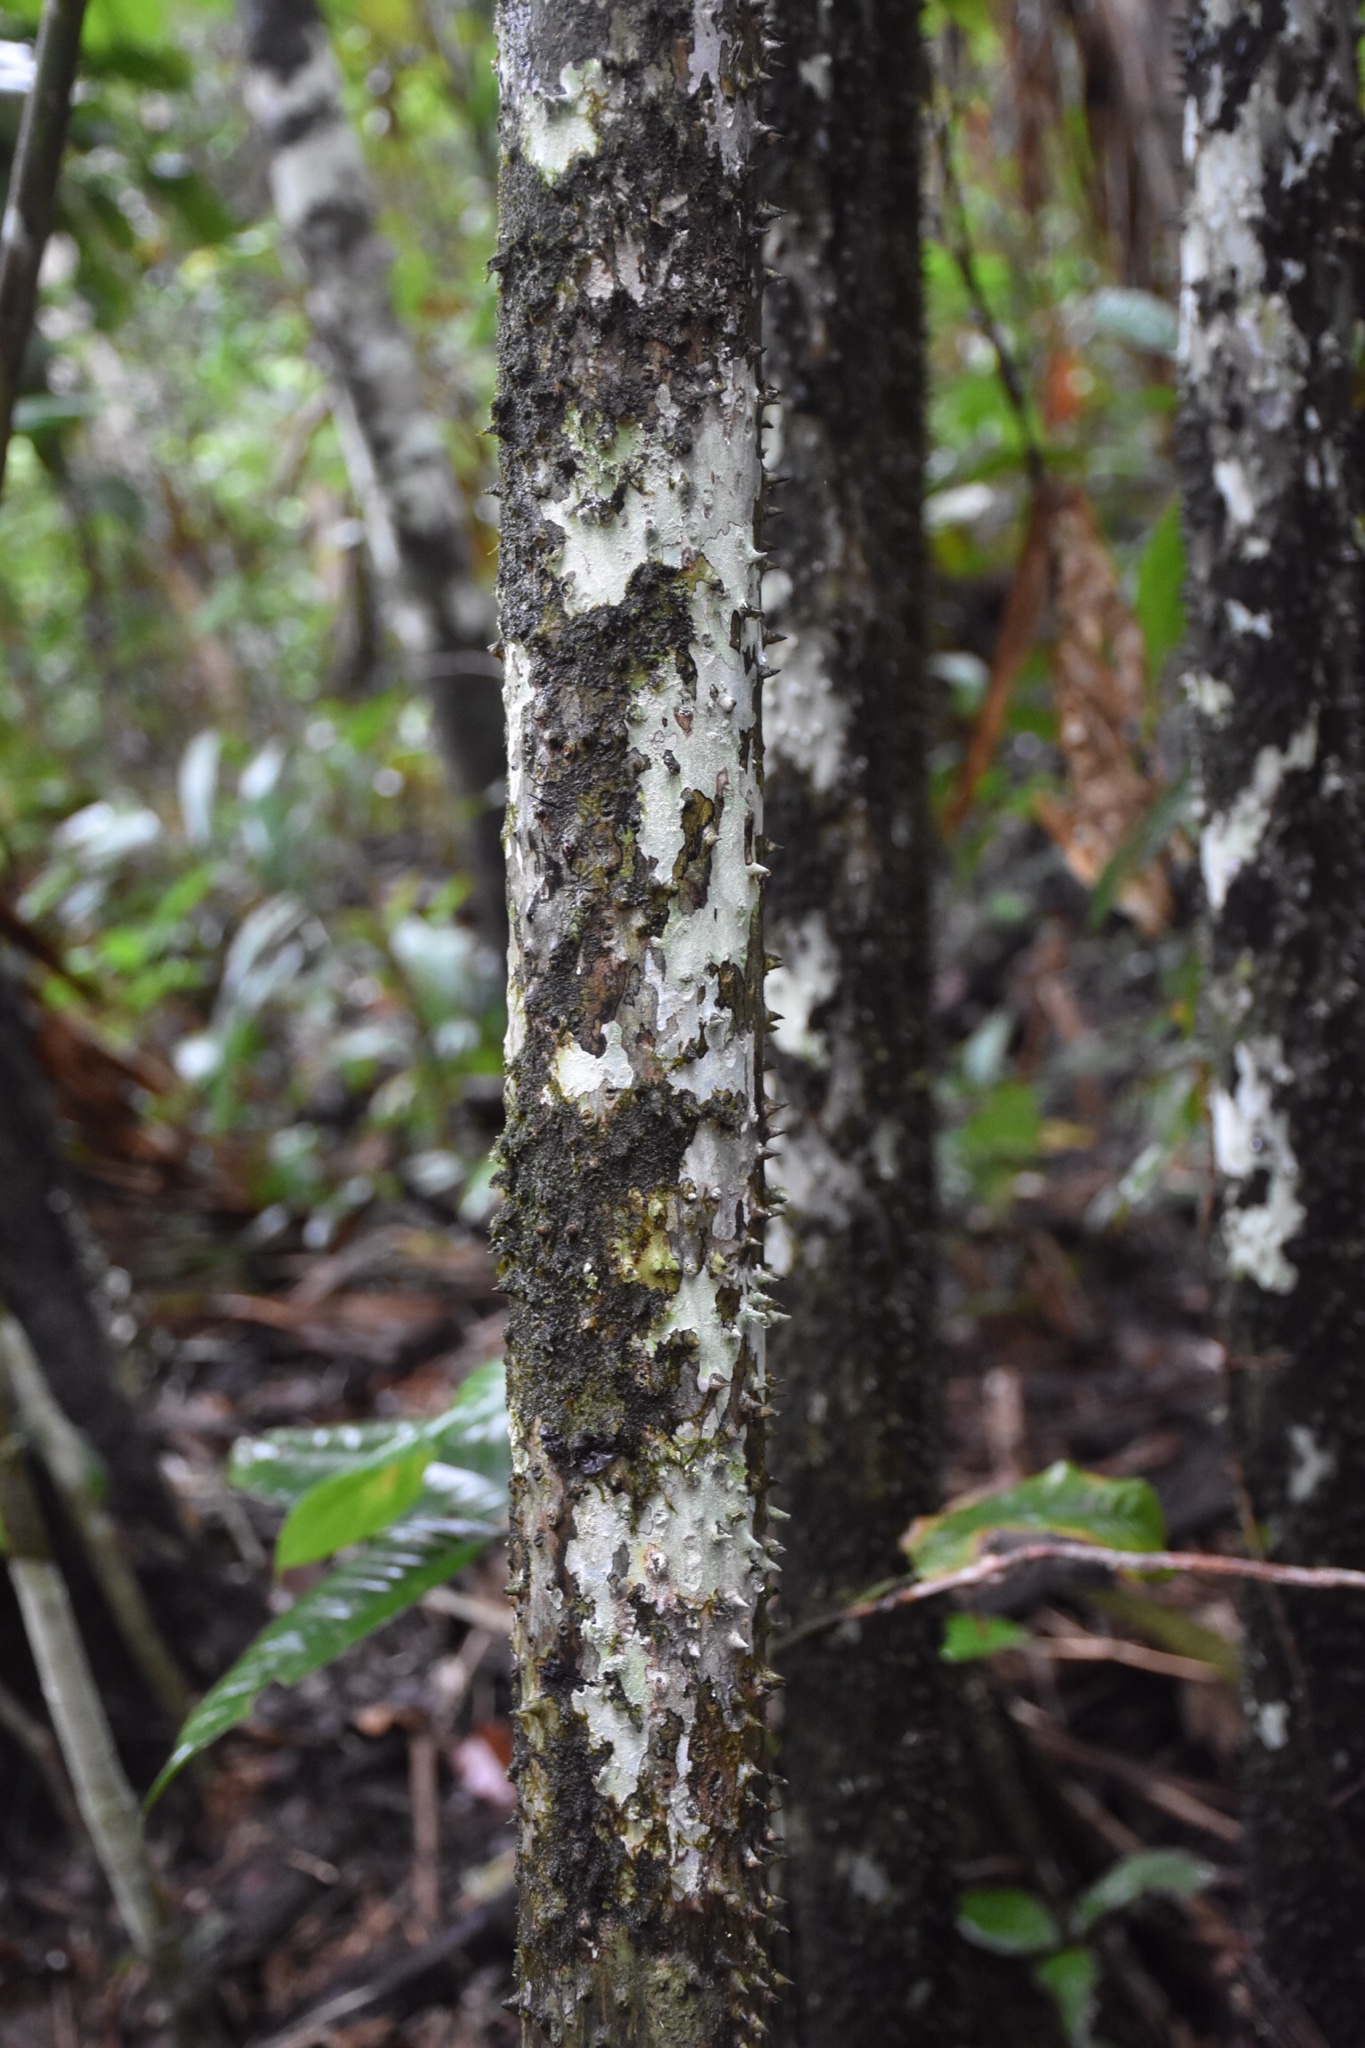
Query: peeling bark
(628, 415)
(867, 1885)
(393, 446)
(1271, 310)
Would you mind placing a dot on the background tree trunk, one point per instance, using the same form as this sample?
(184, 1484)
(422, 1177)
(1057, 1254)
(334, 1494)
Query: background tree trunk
(854, 1453)
(629, 592)
(1272, 296)
(394, 447)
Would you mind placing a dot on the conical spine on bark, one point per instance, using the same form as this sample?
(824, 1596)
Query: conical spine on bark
(628, 417)
(854, 1452)
(1270, 314)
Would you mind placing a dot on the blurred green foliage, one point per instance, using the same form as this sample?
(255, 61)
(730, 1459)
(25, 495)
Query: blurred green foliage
(217, 790)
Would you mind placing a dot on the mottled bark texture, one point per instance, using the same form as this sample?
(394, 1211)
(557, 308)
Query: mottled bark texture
(866, 1881)
(394, 448)
(1271, 309)
(628, 416)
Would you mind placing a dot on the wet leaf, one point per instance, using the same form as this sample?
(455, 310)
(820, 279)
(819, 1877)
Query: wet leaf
(1071, 1979)
(1168, 1873)
(349, 1506)
(456, 1516)
(472, 1433)
(1008, 1923)
(1118, 1514)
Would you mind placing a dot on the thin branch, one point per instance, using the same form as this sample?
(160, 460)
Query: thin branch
(31, 200)
(29, 1732)
(1324, 1578)
(70, 1464)
(107, 1802)
(957, 236)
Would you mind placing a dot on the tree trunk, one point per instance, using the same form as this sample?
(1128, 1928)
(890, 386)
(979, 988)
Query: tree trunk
(393, 445)
(854, 1451)
(629, 593)
(1271, 299)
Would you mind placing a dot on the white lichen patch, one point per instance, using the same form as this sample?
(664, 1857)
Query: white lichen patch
(690, 1555)
(819, 1184)
(1250, 1138)
(710, 67)
(1309, 1464)
(556, 131)
(673, 507)
(805, 719)
(518, 691)
(1232, 838)
(1237, 334)
(795, 990)
(1271, 1723)
(593, 1080)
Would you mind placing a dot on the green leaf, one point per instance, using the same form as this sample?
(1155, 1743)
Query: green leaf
(472, 1432)
(288, 1463)
(1007, 1126)
(457, 1515)
(1009, 1923)
(1119, 1514)
(349, 1506)
(1071, 1979)
(1160, 603)
(1172, 1873)
(971, 1636)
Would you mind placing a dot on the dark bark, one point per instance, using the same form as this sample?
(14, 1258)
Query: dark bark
(31, 196)
(398, 461)
(854, 1455)
(1272, 305)
(627, 412)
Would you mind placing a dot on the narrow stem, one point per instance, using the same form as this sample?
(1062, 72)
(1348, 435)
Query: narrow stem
(29, 1732)
(32, 196)
(71, 1466)
(107, 1802)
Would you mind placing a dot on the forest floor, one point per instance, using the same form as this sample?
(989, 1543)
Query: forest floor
(343, 1862)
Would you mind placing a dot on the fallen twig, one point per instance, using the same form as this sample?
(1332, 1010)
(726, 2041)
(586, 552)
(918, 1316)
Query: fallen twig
(1324, 1578)
(64, 1453)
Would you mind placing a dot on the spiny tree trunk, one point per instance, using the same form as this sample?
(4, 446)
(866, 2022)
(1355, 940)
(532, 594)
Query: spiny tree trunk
(394, 448)
(1272, 295)
(854, 1453)
(629, 599)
